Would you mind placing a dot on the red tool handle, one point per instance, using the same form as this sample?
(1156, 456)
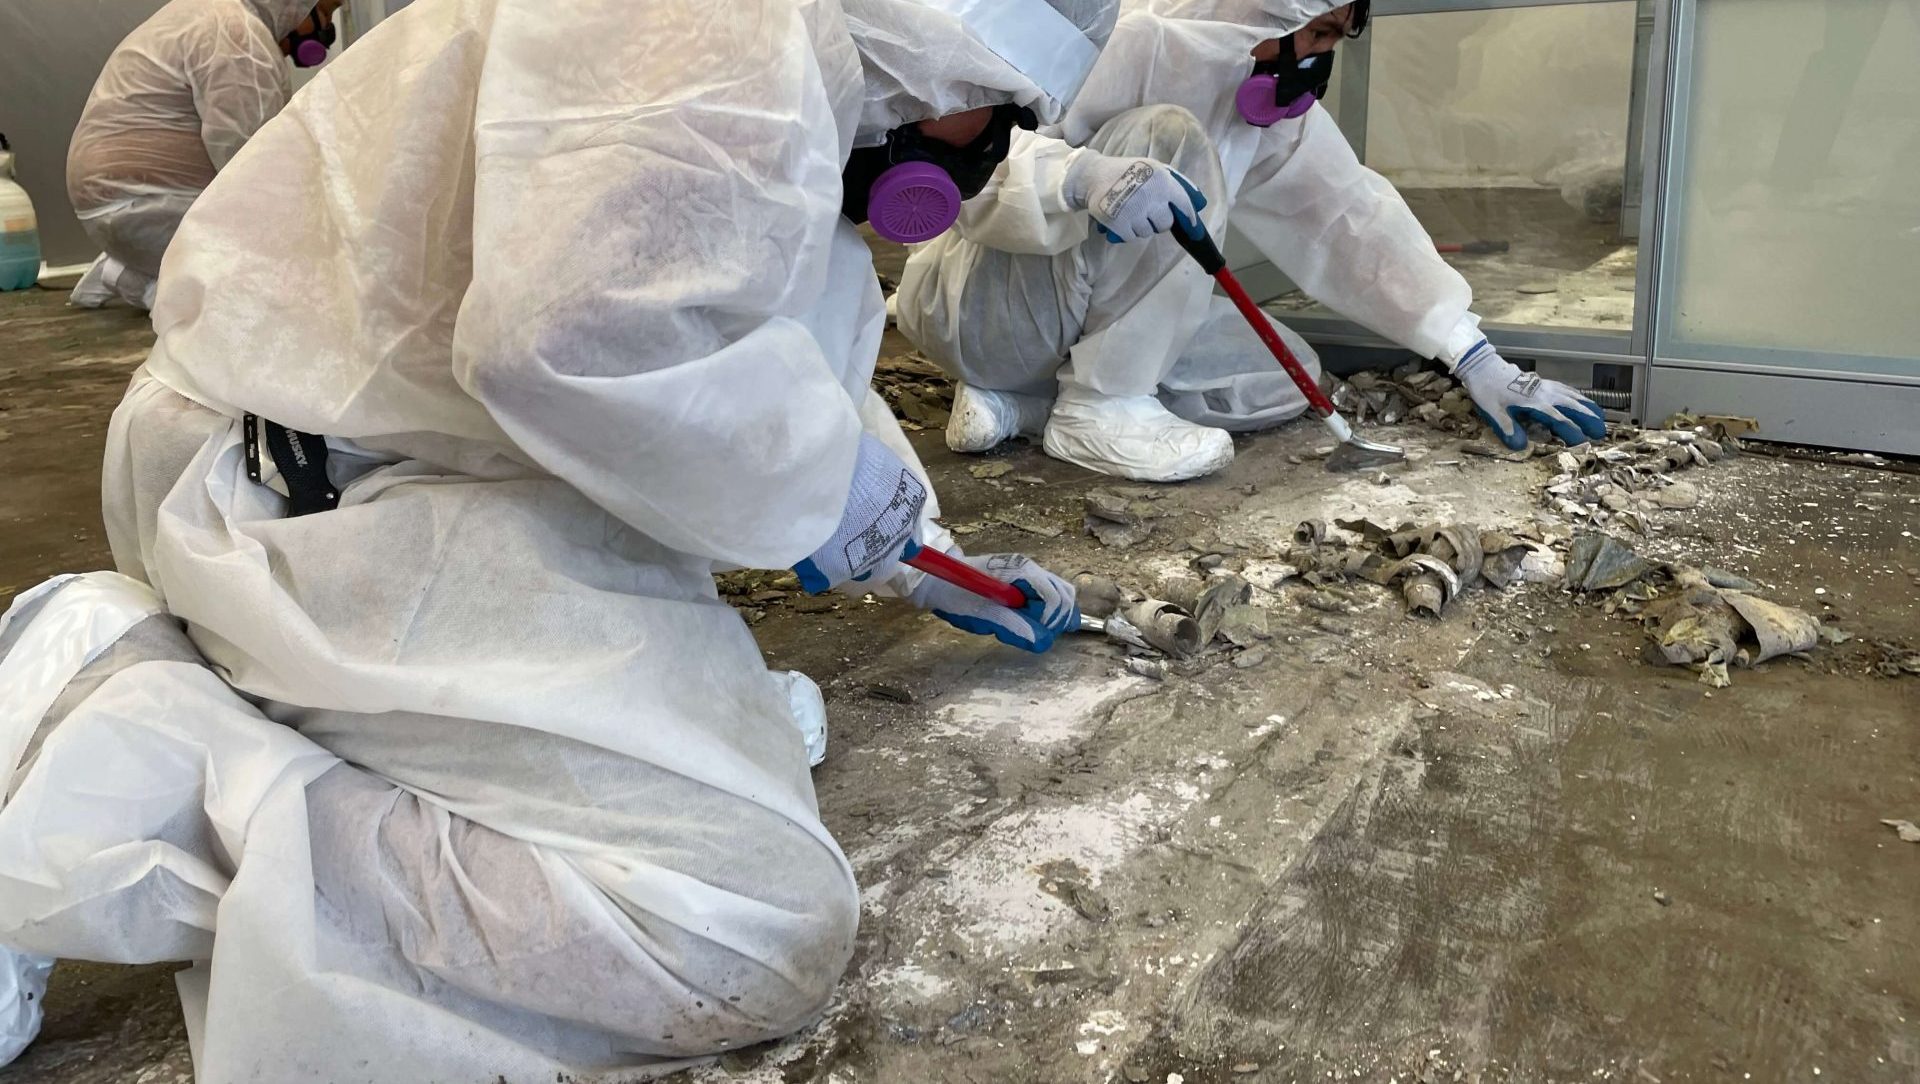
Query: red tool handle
(1203, 249)
(968, 578)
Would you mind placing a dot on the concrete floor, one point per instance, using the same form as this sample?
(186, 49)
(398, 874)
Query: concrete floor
(1499, 846)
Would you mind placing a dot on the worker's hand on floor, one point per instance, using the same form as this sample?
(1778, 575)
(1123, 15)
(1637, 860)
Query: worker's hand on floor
(1131, 198)
(876, 526)
(1506, 398)
(1050, 608)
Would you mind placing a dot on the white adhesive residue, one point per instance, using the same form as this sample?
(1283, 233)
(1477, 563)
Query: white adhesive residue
(1039, 712)
(909, 983)
(1102, 1023)
(1273, 722)
(995, 890)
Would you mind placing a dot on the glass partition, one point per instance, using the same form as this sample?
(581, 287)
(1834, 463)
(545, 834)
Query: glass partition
(1507, 131)
(1793, 236)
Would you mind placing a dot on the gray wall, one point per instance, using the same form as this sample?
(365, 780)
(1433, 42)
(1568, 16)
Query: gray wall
(50, 52)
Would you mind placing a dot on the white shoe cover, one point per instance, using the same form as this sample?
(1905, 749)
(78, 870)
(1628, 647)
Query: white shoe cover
(981, 419)
(1134, 437)
(809, 713)
(23, 985)
(108, 279)
(92, 290)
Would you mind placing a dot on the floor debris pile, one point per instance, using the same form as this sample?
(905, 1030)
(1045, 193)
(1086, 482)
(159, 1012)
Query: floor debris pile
(1411, 392)
(1693, 621)
(1706, 619)
(1895, 660)
(1194, 615)
(1430, 565)
(1625, 481)
(1123, 518)
(1596, 499)
(919, 393)
(752, 591)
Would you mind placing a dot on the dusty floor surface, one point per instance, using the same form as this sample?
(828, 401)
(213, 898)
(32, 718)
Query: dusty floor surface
(1498, 846)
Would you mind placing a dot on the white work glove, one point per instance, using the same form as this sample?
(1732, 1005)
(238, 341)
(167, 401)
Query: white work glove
(1130, 198)
(1505, 397)
(876, 527)
(1050, 608)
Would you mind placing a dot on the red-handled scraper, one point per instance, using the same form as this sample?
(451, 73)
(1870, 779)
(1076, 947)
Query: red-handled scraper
(1353, 452)
(1174, 632)
(968, 578)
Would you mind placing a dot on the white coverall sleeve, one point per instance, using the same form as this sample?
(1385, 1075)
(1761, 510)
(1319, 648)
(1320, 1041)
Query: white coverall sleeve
(650, 221)
(1023, 208)
(1344, 235)
(239, 80)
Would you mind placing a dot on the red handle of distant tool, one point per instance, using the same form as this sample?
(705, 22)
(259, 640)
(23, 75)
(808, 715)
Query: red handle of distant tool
(1200, 246)
(968, 578)
(1475, 248)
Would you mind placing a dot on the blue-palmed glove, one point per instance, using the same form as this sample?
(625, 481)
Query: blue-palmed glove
(1131, 198)
(1050, 608)
(1506, 398)
(876, 527)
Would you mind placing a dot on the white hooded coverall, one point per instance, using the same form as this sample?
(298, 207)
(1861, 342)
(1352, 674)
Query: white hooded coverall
(175, 102)
(1022, 292)
(511, 794)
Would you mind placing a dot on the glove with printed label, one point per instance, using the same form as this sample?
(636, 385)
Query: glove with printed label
(1506, 398)
(876, 527)
(1131, 198)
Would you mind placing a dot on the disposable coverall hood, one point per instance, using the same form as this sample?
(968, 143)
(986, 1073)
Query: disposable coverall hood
(929, 58)
(281, 16)
(1190, 53)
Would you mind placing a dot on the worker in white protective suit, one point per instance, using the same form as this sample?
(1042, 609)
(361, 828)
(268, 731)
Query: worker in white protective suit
(526, 316)
(1121, 358)
(175, 102)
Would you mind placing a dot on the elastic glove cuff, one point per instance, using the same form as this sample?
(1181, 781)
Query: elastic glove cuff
(1076, 180)
(1466, 335)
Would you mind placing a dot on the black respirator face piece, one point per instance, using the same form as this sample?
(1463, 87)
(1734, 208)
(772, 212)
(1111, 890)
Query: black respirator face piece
(1284, 87)
(911, 187)
(310, 49)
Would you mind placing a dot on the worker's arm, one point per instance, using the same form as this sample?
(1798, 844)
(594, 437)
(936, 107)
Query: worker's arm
(1047, 196)
(1343, 234)
(1050, 609)
(647, 234)
(239, 81)
(1024, 208)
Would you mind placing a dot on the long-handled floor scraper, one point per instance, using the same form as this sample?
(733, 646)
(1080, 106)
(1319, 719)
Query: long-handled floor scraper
(1353, 452)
